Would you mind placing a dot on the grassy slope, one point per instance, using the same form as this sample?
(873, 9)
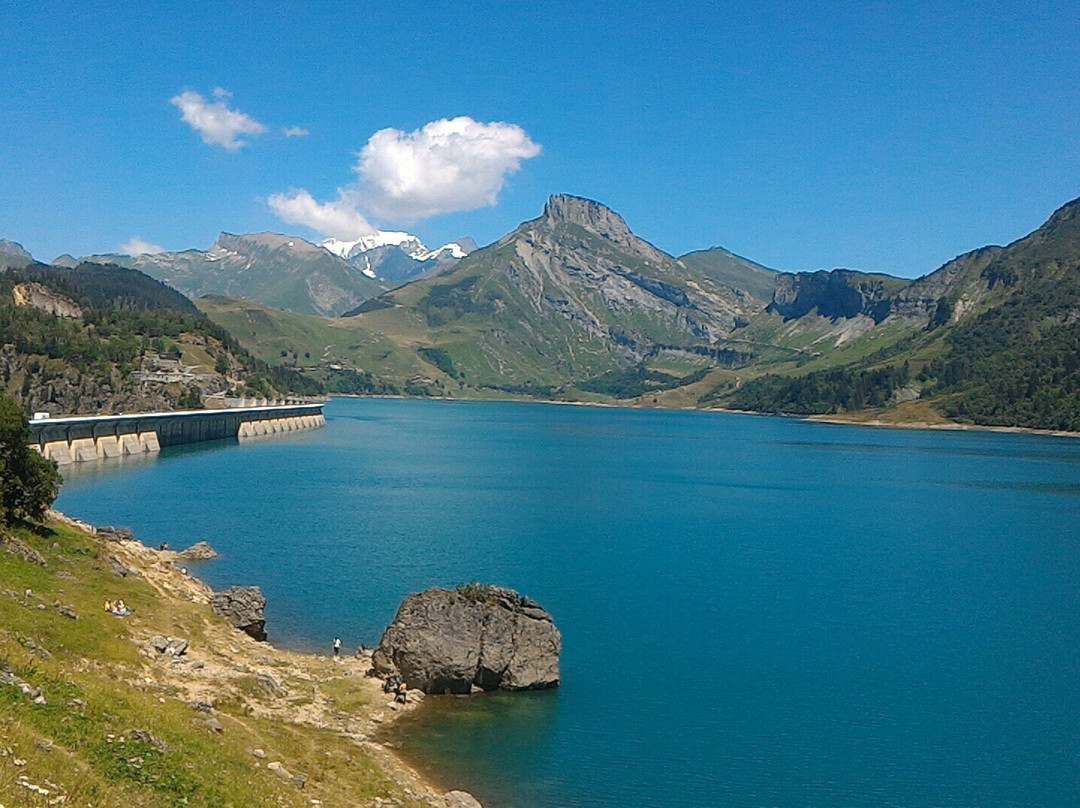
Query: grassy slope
(117, 728)
(733, 270)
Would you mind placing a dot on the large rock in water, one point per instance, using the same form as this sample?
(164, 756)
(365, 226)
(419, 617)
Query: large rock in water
(482, 636)
(244, 607)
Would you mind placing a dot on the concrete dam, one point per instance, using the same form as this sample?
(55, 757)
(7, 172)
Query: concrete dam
(80, 438)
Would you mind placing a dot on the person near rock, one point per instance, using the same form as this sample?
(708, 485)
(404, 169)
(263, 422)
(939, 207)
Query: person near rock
(402, 692)
(337, 646)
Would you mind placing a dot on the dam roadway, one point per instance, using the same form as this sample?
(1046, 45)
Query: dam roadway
(80, 438)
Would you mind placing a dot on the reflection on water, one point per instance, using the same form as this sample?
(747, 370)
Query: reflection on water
(90, 469)
(520, 725)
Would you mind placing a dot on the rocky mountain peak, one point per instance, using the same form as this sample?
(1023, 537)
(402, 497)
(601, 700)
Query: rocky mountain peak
(591, 215)
(12, 254)
(14, 248)
(1067, 216)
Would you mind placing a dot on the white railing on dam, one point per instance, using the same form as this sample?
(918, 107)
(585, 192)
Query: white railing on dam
(76, 438)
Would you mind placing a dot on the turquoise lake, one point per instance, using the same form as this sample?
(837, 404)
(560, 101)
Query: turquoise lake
(755, 611)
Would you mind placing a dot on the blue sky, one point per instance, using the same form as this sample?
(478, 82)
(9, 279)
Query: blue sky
(875, 135)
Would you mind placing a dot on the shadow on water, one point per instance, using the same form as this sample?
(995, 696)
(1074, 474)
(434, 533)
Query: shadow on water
(498, 739)
(104, 467)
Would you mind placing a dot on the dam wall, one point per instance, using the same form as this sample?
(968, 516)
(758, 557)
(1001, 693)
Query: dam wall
(81, 438)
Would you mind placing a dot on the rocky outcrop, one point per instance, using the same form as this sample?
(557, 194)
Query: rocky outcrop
(835, 294)
(482, 637)
(39, 297)
(244, 607)
(200, 551)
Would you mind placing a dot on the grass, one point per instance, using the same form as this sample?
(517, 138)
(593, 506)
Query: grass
(113, 730)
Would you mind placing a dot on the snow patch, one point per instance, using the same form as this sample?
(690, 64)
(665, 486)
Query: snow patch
(406, 242)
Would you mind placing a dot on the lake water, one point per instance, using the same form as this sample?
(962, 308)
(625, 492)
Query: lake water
(755, 611)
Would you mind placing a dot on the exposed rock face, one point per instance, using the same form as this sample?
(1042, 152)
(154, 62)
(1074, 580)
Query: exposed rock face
(39, 297)
(575, 292)
(840, 293)
(244, 607)
(491, 638)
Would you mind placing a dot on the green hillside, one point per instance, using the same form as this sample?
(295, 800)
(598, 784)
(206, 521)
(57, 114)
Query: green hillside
(733, 270)
(1002, 347)
(98, 339)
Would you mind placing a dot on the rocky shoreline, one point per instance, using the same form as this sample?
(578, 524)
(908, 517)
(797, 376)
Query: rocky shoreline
(227, 665)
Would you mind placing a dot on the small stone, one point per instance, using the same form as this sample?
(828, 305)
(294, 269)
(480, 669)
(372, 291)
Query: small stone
(68, 612)
(210, 723)
(278, 769)
(40, 700)
(259, 753)
(175, 646)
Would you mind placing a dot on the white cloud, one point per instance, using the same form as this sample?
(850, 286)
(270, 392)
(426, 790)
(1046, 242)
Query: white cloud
(295, 131)
(340, 219)
(137, 246)
(216, 123)
(445, 166)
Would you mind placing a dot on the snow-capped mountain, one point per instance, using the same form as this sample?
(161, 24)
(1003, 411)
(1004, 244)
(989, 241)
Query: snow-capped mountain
(406, 242)
(283, 272)
(395, 255)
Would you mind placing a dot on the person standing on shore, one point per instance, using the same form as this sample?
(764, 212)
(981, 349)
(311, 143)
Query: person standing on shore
(337, 646)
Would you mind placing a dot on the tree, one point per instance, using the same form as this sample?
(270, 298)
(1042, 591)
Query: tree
(28, 482)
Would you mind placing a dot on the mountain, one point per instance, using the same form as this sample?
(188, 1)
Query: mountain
(573, 306)
(733, 270)
(12, 254)
(281, 271)
(564, 298)
(990, 338)
(395, 256)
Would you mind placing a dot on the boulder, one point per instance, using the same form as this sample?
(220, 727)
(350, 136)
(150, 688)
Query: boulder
(476, 637)
(461, 799)
(244, 607)
(200, 551)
